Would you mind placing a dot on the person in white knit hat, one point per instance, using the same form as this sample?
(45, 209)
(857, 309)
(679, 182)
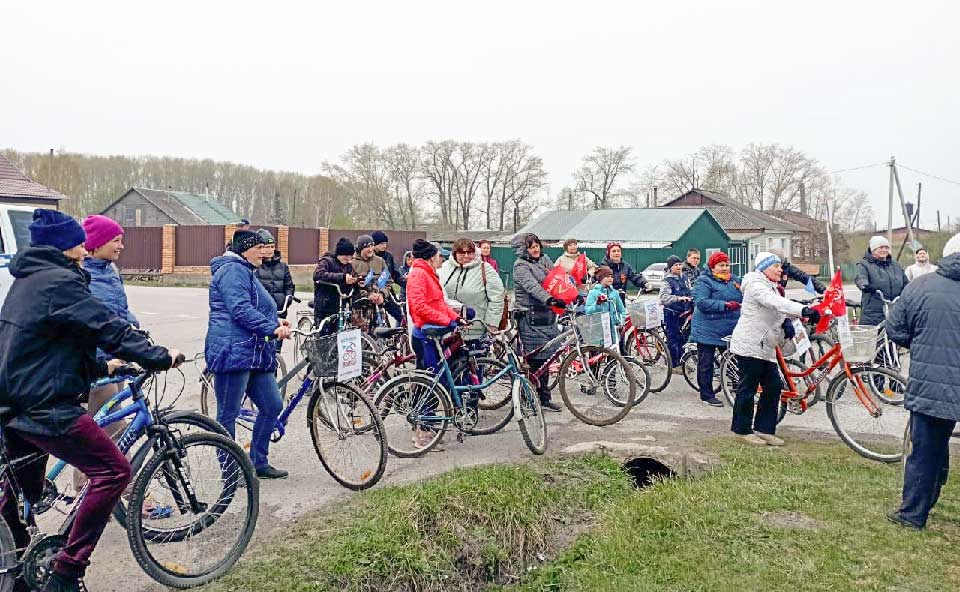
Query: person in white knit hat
(878, 274)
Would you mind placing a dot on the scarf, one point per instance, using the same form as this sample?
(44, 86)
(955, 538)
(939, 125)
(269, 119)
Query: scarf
(723, 277)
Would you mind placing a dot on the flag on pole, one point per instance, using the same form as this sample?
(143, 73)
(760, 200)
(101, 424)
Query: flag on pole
(834, 301)
(579, 270)
(809, 287)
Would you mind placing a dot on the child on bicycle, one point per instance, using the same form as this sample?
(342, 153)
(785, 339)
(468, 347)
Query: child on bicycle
(50, 329)
(676, 297)
(604, 298)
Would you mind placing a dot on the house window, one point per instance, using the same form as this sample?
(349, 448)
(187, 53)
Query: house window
(139, 217)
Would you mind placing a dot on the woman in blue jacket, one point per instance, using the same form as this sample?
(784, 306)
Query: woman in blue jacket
(240, 345)
(717, 298)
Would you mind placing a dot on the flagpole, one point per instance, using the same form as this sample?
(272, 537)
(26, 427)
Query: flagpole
(830, 235)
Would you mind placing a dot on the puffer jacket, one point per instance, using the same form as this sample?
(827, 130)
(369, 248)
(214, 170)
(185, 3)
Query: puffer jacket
(611, 304)
(465, 283)
(926, 319)
(875, 274)
(275, 276)
(711, 319)
(326, 301)
(243, 318)
(691, 272)
(537, 322)
(759, 330)
(106, 285)
(362, 268)
(425, 298)
(673, 288)
(623, 273)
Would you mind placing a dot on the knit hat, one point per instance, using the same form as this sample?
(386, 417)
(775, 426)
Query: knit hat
(718, 257)
(878, 241)
(100, 231)
(764, 260)
(673, 260)
(612, 245)
(344, 247)
(51, 228)
(244, 240)
(423, 249)
(266, 236)
(952, 246)
(602, 272)
(380, 237)
(243, 222)
(364, 241)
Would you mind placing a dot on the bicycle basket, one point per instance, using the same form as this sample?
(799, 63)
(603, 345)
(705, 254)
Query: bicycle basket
(591, 328)
(638, 314)
(322, 353)
(860, 344)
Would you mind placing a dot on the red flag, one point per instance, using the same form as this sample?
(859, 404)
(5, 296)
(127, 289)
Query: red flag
(559, 285)
(834, 301)
(579, 269)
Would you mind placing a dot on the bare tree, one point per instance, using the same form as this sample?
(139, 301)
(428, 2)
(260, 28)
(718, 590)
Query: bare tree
(403, 163)
(437, 159)
(600, 171)
(470, 160)
(524, 178)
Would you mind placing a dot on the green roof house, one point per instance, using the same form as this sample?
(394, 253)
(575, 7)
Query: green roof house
(155, 207)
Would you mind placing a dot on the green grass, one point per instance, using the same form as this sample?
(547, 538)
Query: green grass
(491, 527)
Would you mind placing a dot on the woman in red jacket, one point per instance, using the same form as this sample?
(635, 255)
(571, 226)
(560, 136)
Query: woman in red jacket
(426, 302)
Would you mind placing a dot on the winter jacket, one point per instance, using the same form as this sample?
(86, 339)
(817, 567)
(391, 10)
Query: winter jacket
(611, 304)
(329, 270)
(711, 319)
(537, 323)
(927, 320)
(107, 286)
(690, 272)
(425, 299)
(917, 269)
(362, 268)
(792, 272)
(404, 272)
(567, 261)
(465, 283)
(759, 330)
(275, 276)
(492, 262)
(391, 264)
(623, 273)
(673, 289)
(875, 274)
(50, 328)
(243, 318)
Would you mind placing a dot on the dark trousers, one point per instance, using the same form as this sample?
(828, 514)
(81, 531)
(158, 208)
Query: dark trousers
(425, 350)
(543, 387)
(261, 388)
(393, 309)
(755, 373)
(675, 337)
(88, 448)
(706, 354)
(926, 467)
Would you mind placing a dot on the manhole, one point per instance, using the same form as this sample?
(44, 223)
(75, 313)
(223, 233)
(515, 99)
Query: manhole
(645, 470)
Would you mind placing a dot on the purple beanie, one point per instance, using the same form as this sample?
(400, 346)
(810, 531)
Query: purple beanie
(100, 231)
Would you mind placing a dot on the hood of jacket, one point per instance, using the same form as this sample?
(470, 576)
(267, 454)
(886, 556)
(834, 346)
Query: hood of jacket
(519, 245)
(35, 259)
(229, 258)
(950, 267)
(452, 262)
(755, 277)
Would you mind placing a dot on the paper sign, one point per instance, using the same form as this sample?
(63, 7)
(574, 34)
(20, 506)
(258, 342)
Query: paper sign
(800, 339)
(654, 314)
(843, 332)
(349, 352)
(607, 330)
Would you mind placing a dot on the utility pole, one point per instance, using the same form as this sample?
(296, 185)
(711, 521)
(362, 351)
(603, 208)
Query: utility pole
(654, 196)
(903, 208)
(890, 203)
(938, 221)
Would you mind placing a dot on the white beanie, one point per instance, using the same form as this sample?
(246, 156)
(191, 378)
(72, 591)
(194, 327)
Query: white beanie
(764, 260)
(952, 246)
(878, 241)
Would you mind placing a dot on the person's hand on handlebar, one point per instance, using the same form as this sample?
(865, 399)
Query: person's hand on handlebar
(556, 302)
(376, 298)
(284, 322)
(176, 358)
(811, 315)
(114, 365)
(282, 332)
(350, 280)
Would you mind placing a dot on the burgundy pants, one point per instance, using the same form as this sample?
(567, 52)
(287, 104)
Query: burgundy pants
(88, 448)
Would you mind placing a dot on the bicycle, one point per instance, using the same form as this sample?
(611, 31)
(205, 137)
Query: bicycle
(200, 517)
(647, 345)
(345, 318)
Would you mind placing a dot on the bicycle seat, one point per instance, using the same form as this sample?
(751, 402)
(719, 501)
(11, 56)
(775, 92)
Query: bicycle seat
(387, 332)
(435, 331)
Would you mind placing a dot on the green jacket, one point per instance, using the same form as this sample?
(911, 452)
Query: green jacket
(465, 283)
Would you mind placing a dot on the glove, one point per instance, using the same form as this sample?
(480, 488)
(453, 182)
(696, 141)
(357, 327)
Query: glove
(556, 302)
(733, 305)
(788, 330)
(469, 313)
(811, 315)
(579, 300)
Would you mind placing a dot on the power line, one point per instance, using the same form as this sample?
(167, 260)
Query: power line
(866, 166)
(944, 179)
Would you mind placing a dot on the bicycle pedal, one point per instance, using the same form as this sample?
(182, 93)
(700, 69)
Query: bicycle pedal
(795, 407)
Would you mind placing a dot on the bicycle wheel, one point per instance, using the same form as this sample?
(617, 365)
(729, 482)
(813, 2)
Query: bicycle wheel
(652, 350)
(412, 406)
(819, 346)
(689, 362)
(215, 494)
(611, 384)
(347, 435)
(305, 324)
(491, 411)
(533, 425)
(583, 385)
(8, 558)
(729, 378)
(867, 411)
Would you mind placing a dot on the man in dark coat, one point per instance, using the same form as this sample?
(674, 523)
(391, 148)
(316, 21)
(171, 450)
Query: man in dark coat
(926, 319)
(878, 272)
(333, 268)
(381, 242)
(792, 272)
(623, 272)
(274, 274)
(691, 267)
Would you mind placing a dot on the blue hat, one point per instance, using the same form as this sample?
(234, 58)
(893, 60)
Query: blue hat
(765, 260)
(51, 228)
(380, 237)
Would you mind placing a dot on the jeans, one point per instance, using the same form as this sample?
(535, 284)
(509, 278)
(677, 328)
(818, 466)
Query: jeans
(261, 388)
(706, 354)
(87, 447)
(926, 468)
(425, 349)
(755, 372)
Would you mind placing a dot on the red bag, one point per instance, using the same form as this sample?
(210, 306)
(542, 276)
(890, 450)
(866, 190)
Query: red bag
(579, 269)
(559, 285)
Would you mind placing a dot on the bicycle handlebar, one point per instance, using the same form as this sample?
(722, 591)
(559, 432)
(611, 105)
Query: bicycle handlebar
(290, 299)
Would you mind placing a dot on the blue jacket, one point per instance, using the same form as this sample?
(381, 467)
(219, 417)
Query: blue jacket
(926, 319)
(711, 319)
(107, 287)
(243, 317)
(678, 287)
(613, 305)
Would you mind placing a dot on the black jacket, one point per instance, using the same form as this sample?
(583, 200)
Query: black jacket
(623, 273)
(395, 274)
(50, 329)
(275, 276)
(875, 274)
(792, 272)
(326, 302)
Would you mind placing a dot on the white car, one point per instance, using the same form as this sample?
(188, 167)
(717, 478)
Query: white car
(14, 234)
(653, 275)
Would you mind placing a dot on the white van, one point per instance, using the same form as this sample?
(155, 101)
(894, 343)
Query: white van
(14, 235)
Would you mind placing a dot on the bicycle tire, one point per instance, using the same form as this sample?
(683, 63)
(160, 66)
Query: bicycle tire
(641, 373)
(8, 558)
(486, 406)
(530, 418)
(593, 352)
(893, 405)
(168, 573)
(819, 346)
(729, 377)
(305, 324)
(654, 354)
(317, 419)
(387, 399)
(689, 362)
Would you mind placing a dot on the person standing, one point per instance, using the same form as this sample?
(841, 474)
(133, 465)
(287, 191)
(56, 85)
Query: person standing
(381, 244)
(603, 298)
(369, 267)
(240, 345)
(475, 283)
(537, 323)
(333, 268)
(485, 249)
(792, 272)
(273, 273)
(755, 340)
(921, 265)
(691, 267)
(716, 309)
(878, 272)
(677, 300)
(623, 272)
(405, 272)
(926, 320)
(567, 259)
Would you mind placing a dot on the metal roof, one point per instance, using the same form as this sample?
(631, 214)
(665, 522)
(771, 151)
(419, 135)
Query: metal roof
(188, 209)
(15, 184)
(733, 215)
(635, 225)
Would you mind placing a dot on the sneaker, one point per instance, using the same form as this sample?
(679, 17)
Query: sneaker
(61, 583)
(550, 405)
(770, 439)
(269, 472)
(899, 520)
(714, 402)
(751, 439)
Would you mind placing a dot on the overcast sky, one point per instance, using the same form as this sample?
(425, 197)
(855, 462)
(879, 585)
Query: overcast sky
(287, 85)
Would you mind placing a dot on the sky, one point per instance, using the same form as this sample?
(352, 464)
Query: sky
(289, 85)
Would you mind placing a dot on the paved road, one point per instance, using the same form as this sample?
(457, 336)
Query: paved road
(177, 317)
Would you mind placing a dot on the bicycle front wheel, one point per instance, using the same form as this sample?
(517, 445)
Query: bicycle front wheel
(215, 496)
(689, 362)
(347, 435)
(651, 350)
(533, 425)
(867, 411)
(614, 386)
(416, 413)
(584, 378)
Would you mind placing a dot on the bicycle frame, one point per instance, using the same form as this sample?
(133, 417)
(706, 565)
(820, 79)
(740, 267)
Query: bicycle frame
(830, 360)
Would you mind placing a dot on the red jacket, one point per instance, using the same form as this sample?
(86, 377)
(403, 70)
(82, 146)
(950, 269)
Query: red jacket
(425, 297)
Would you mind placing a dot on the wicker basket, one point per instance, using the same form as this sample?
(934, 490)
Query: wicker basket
(323, 355)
